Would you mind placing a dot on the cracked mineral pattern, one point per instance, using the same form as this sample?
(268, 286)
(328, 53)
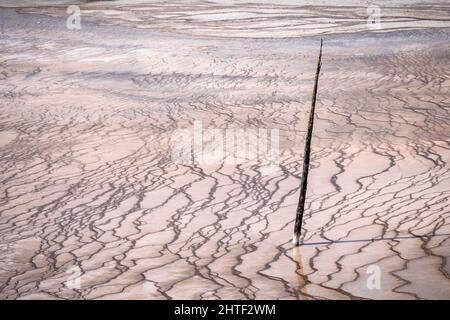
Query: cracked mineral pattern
(380, 167)
(93, 204)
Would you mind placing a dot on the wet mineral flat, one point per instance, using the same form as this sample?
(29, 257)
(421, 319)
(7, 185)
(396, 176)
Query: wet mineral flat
(97, 204)
(89, 181)
(380, 168)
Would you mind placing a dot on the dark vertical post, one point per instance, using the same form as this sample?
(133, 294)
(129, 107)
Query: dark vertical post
(306, 157)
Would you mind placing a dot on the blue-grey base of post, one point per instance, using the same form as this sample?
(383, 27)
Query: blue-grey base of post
(296, 239)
